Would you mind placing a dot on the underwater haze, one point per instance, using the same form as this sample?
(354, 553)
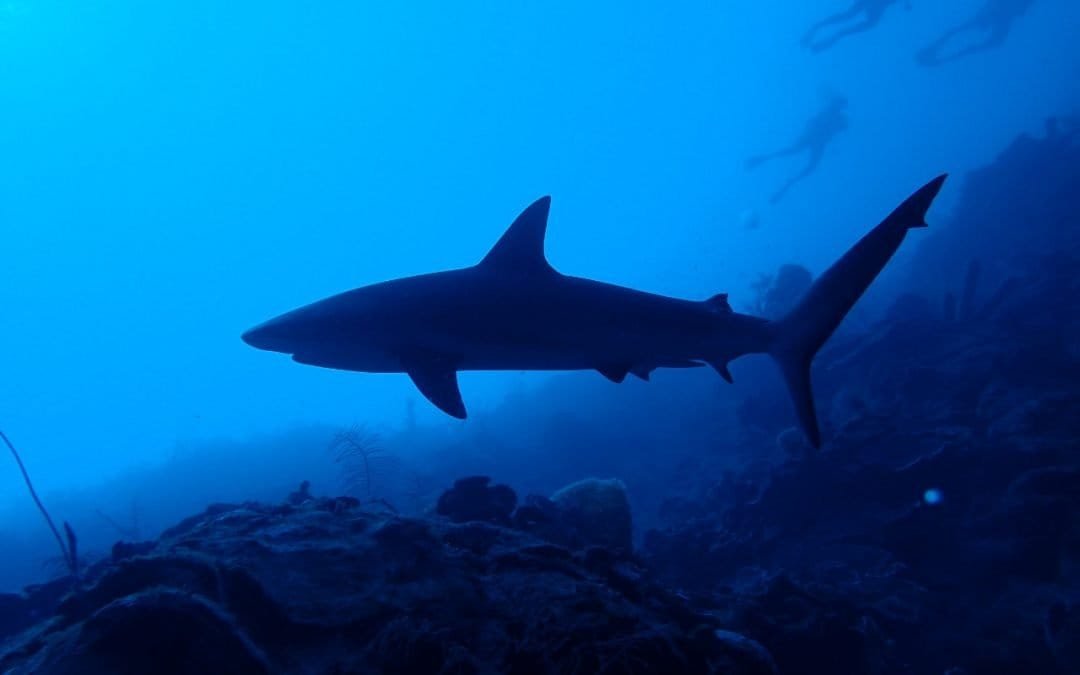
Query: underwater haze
(173, 174)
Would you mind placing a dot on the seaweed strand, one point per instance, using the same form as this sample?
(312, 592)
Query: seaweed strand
(41, 507)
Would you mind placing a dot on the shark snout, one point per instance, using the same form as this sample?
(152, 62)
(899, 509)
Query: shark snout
(256, 337)
(274, 335)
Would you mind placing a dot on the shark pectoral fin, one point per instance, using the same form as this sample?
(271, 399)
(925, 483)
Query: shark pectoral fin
(614, 373)
(440, 386)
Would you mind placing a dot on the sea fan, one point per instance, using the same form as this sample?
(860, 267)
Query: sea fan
(367, 466)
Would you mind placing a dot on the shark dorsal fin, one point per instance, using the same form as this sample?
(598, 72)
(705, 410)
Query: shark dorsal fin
(521, 248)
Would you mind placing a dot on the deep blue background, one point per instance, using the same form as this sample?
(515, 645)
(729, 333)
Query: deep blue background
(172, 173)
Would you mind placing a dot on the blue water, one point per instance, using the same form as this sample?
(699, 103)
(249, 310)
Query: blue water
(173, 173)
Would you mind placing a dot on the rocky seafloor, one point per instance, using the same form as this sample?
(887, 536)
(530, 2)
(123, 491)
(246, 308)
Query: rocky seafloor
(938, 530)
(322, 585)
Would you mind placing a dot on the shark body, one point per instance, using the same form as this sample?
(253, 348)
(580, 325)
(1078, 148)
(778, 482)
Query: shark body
(514, 311)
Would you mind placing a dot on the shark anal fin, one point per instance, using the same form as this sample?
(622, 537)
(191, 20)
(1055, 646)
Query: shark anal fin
(438, 383)
(679, 363)
(642, 372)
(614, 373)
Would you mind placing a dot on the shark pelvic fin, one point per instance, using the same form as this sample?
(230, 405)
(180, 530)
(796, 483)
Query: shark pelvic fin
(614, 373)
(721, 368)
(438, 383)
(521, 248)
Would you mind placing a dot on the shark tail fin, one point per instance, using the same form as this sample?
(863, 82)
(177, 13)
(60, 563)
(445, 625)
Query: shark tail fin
(797, 337)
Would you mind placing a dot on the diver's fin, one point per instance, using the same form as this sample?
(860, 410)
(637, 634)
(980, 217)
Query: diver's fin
(614, 373)
(521, 248)
(797, 337)
(438, 383)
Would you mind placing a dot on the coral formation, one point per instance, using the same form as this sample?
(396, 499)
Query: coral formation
(253, 588)
(940, 527)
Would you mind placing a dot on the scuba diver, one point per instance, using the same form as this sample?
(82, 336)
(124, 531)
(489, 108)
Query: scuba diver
(993, 21)
(820, 130)
(871, 12)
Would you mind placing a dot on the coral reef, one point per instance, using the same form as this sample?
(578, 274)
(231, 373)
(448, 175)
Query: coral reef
(474, 499)
(601, 511)
(775, 294)
(940, 526)
(325, 587)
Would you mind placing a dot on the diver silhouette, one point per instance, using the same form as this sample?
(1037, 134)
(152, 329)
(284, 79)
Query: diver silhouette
(993, 21)
(871, 12)
(820, 130)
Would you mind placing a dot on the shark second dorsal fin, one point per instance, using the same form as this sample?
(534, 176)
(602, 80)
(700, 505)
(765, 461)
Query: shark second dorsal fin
(521, 248)
(719, 303)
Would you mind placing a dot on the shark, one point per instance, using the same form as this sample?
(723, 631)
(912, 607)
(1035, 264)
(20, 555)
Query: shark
(514, 311)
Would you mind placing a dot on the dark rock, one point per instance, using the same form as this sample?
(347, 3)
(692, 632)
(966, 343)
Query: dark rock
(810, 634)
(476, 537)
(257, 589)
(156, 631)
(14, 614)
(749, 654)
(778, 293)
(185, 525)
(589, 513)
(126, 549)
(339, 504)
(404, 534)
(36, 603)
(1063, 634)
(300, 495)
(599, 512)
(474, 499)
(538, 515)
(598, 558)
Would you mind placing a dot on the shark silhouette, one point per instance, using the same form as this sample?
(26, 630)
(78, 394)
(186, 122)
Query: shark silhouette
(513, 311)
